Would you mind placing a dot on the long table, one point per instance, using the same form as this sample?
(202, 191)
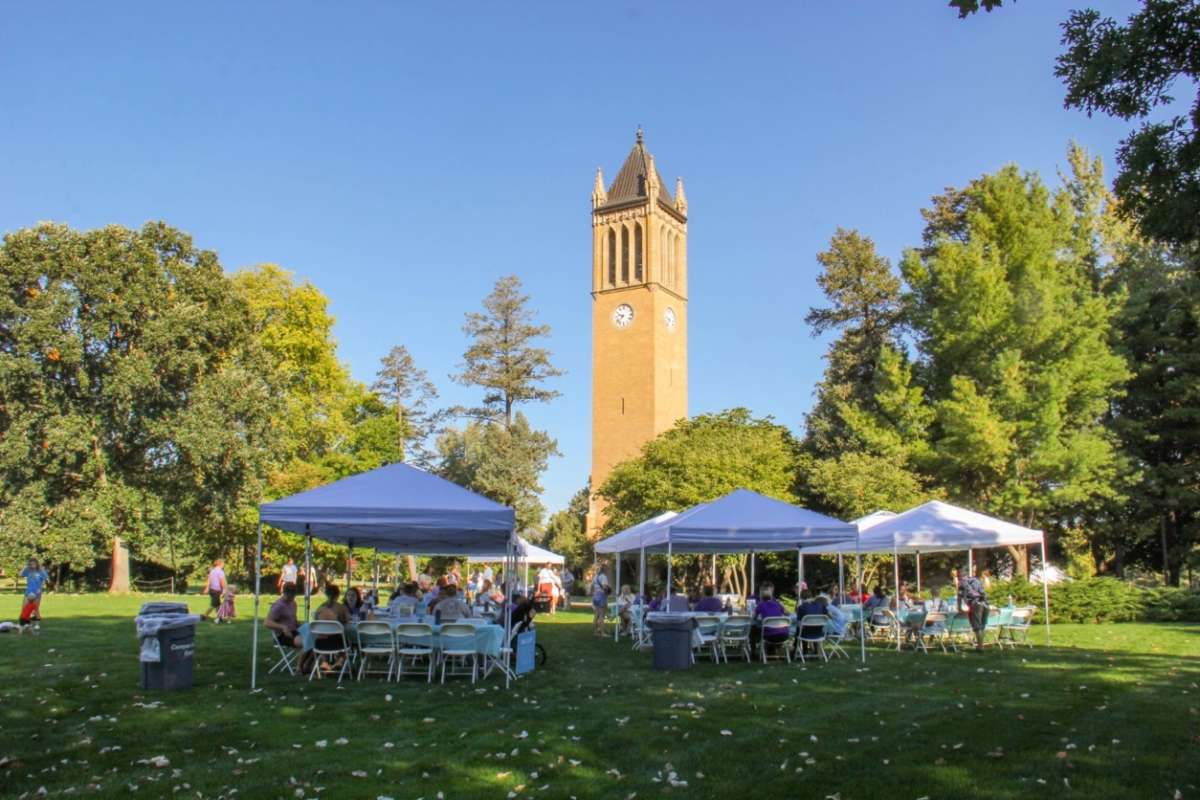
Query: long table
(489, 637)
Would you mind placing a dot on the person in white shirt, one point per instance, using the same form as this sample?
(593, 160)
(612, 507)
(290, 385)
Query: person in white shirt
(288, 575)
(935, 603)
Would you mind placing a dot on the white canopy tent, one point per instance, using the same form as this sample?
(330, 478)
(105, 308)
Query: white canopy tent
(740, 522)
(527, 553)
(937, 527)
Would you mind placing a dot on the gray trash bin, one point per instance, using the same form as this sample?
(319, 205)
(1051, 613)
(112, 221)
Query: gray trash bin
(176, 647)
(672, 638)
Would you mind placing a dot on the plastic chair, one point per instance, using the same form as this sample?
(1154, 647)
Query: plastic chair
(934, 628)
(708, 631)
(913, 624)
(375, 641)
(414, 641)
(811, 630)
(882, 625)
(1016, 630)
(764, 646)
(287, 657)
(325, 628)
(735, 635)
(458, 648)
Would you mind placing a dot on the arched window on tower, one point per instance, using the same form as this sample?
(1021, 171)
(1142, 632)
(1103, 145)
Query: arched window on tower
(624, 254)
(671, 260)
(637, 253)
(662, 254)
(612, 257)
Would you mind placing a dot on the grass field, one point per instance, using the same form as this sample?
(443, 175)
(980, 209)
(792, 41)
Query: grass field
(1108, 711)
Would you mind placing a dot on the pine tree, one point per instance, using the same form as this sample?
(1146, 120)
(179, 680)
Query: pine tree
(408, 388)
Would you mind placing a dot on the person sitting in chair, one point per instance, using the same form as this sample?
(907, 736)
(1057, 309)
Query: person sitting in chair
(768, 606)
(281, 619)
(450, 606)
(709, 602)
(877, 600)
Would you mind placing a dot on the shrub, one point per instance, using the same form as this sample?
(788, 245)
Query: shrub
(1101, 600)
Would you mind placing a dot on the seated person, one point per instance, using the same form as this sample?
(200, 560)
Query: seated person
(625, 603)
(281, 619)
(837, 617)
(404, 600)
(811, 605)
(334, 611)
(709, 602)
(678, 603)
(354, 605)
(450, 606)
(901, 602)
(768, 606)
(935, 603)
(877, 600)
(659, 602)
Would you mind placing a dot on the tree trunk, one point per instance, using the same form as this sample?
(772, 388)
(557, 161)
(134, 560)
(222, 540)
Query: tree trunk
(1166, 561)
(1020, 557)
(119, 582)
(412, 568)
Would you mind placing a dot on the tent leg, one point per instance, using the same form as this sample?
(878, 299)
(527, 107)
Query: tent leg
(308, 571)
(642, 575)
(375, 574)
(862, 617)
(669, 585)
(617, 592)
(970, 561)
(918, 573)
(257, 591)
(802, 586)
(799, 575)
(1046, 588)
(349, 570)
(841, 580)
(896, 569)
(753, 583)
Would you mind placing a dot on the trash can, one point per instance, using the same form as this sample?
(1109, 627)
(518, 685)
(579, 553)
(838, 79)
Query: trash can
(168, 645)
(672, 638)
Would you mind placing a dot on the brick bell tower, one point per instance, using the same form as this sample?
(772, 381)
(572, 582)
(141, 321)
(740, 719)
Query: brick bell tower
(639, 315)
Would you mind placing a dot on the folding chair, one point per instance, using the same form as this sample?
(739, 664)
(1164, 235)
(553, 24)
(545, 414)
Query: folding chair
(811, 630)
(934, 628)
(414, 641)
(707, 638)
(882, 625)
(833, 639)
(735, 635)
(405, 608)
(641, 631)
(914, 623)
(1016, 631)
(287, 657)
(376, 641)
(324, 628)
(959, 627)
(775, 624)
(458, 648)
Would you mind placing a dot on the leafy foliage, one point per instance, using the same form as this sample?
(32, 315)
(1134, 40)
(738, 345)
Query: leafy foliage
(132, 394)
(566, 530)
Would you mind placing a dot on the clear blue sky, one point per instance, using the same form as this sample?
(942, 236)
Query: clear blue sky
(402, 156)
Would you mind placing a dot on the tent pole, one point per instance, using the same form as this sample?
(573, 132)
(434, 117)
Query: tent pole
(254, 635)
(799, 575)
(714, 573)
(862, 618)
(1046, 587)
(642, 575)
(617, 592)
(970, 561)
(750, 588)
(509, 560)
(896, 570)
(375, 571)
(668, 574)
(918, 572)
(308, 570)
(349, 569)
(527, 592)
(801, 572)
(841, 580)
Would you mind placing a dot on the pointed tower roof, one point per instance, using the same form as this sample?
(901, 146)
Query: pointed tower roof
(631, 182)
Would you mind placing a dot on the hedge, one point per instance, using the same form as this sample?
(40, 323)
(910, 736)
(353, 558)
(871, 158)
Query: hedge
(1102, 600)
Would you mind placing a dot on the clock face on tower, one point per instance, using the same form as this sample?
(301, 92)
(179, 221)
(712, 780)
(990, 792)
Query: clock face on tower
(669, 318)
(622, 315)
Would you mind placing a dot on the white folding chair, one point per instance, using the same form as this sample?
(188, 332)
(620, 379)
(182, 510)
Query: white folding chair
(414, 641)
(833, 640)
(913, 629)
(776, 625)
(735, 635)
(458, 649)
(1017, 630)
(707, 638)
(934, 628)
(327, 652)
(811, 630)
(882, 625)
(375, 641)
(287, 657)
(641, 631)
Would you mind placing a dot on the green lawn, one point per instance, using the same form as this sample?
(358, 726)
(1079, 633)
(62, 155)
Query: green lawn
(1108, 711)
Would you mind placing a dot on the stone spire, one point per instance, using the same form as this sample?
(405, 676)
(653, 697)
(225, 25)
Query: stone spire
(680, 197)
(599, 196)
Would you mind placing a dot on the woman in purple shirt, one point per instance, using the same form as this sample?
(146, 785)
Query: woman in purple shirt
(709, 602)
(768, 606)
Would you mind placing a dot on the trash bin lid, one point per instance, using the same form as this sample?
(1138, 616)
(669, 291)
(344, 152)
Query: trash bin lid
(669, 621)
(159, 607)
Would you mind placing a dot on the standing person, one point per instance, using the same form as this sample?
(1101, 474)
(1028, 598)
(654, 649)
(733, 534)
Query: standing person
(288, 574)
(971, 598)
(568, 583)
(599, 606)
(454, 577)
(545, 585)
(216, 586)
(35, 581)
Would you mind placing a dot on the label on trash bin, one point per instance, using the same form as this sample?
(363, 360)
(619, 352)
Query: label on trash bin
(188, 649)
